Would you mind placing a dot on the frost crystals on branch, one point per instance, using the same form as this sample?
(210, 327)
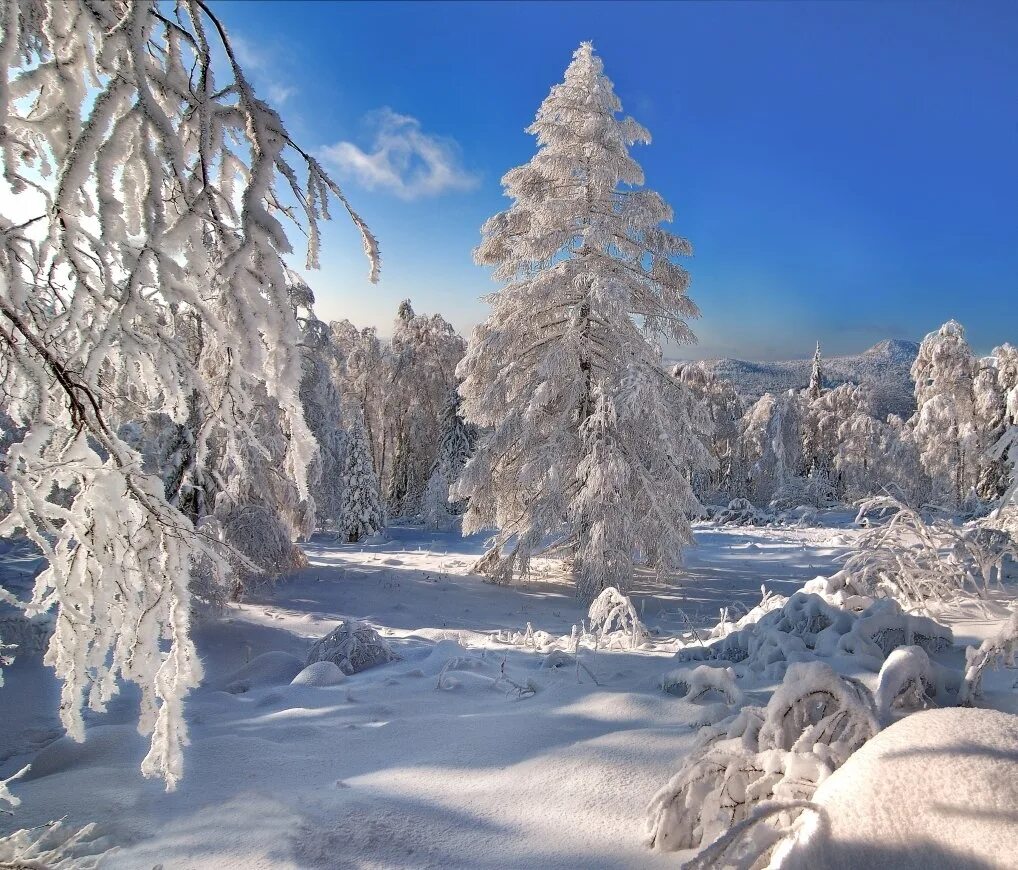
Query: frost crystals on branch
(591, 286)
(156, 197)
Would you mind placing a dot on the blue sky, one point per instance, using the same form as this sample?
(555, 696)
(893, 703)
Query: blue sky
(845, 171)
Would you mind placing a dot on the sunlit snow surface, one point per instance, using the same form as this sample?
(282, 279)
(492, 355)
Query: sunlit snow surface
(438, 760)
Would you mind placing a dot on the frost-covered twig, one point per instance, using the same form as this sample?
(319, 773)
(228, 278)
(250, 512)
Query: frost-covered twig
(1002, 648)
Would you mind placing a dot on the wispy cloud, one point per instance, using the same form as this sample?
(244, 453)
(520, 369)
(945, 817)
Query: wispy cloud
(280, 93)
(402, 159)
(260, 65)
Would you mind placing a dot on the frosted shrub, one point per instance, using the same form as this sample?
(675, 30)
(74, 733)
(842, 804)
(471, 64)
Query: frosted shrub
(917, 562)
(256, 532)
(694, 683)
(907, 679)
(614, 620)
(1002, 648)
(740, 512)
(811, 725)
(353, 647)
(814, 622)
(53, 847)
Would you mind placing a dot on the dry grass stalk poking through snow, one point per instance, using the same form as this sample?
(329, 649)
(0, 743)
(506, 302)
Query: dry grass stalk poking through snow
(917, 562)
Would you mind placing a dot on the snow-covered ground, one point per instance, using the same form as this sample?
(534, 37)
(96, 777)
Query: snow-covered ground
(446, 758)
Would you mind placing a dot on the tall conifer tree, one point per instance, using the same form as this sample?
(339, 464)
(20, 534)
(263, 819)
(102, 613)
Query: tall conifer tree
(591, 286)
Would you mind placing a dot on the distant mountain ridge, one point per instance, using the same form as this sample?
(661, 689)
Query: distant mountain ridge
(886, 365)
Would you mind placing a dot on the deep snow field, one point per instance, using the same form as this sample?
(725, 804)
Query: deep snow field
(467, 753)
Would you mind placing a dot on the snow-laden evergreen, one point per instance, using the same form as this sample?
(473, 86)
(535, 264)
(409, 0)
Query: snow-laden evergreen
(944, 422)
(360, 509)
(591, 284)
(152, 186)
(421, 366)
(724, 412)
(772, 444)
(816, 376)
(455, 446)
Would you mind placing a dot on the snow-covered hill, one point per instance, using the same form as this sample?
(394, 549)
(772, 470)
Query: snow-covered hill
(886, 365)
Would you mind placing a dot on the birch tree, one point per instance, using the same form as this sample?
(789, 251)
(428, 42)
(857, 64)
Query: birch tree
(154, 193)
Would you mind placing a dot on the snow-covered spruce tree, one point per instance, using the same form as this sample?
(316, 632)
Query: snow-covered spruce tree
(360, 508)
(363, 380)
(421, 366)
(151, 197)
(816, 377)
(944, 424)
(724, 411)
(456, 444)
(590, 286)
(994, 383)
(771, 444)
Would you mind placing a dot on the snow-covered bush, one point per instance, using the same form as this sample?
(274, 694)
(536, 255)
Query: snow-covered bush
(538, 640)
(916, 561)
(694, 683)
(353, 647)
(740, 512)
(257, 533)
(614, 620)
(53, 846)
(811, 725)
(815, 622)
(907, 679)
(1002, 648)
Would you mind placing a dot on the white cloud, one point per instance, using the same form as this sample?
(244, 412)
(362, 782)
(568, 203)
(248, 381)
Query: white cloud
(280, 93)
(255, 62)
(402, 159)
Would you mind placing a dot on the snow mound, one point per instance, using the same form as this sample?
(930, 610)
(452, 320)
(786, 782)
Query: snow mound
(319, 675)
(907, 679)
(105, 746)
(353, 647)
(935, 791)
(447, 655)
(274, 668)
